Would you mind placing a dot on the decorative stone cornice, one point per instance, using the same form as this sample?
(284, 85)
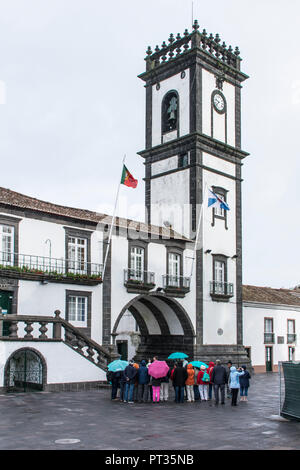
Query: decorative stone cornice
(189, 46)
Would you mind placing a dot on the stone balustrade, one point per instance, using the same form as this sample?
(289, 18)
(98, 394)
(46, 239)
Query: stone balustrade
(183, 44)
(50, 329)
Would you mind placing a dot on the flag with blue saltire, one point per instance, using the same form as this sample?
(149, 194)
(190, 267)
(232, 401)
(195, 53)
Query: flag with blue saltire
(215, 201)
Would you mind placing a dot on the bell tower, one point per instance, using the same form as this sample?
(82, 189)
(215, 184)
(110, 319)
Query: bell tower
(193, 141)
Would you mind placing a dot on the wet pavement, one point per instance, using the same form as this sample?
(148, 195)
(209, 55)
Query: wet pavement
(91, 421)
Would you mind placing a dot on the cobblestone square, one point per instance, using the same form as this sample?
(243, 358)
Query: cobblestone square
(91, 421)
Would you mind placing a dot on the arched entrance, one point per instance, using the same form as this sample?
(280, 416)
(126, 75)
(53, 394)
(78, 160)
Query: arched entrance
(164, 326)
(25, 371)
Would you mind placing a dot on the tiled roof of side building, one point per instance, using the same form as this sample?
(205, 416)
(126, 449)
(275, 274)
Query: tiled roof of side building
(270, 295)
(21, 201)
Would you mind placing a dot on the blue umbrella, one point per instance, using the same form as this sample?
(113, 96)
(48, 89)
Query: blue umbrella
(198, 364)
(178, 355)
(117, 365)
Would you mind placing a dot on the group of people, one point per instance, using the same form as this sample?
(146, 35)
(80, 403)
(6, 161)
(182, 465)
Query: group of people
(137, 385)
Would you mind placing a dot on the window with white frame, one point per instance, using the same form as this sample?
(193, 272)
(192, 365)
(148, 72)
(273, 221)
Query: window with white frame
(137, 256)
(77, 254)
(291, 327)
(218, 212)
(174, 269)
(219, 276)
(7, 244)
(77, 310)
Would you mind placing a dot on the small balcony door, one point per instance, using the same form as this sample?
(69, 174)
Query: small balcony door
(77, 255)
(269, 358)
(174, 270)
(137, 256)
(6, 245)
(219, 277)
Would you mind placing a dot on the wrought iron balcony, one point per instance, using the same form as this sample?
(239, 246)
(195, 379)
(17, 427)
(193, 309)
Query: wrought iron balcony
(177, 286)
(221, 291)
(138, 280)
(291, 338)
(269, 338)
(43, 268)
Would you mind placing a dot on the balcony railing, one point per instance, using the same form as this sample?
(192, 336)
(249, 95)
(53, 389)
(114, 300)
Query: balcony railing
(138, 280)
(221, 289)
(34, 266)
(269, 338)
(291, 338)
(177, 286)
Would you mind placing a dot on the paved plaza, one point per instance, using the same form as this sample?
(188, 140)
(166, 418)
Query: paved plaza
(90, 421)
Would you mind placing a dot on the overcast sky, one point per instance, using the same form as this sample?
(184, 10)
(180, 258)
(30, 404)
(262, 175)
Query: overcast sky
(73, 106)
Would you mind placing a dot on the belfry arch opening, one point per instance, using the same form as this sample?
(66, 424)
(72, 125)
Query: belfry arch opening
(163, 327)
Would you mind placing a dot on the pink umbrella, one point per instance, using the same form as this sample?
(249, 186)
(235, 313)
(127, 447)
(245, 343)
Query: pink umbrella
(158, 369)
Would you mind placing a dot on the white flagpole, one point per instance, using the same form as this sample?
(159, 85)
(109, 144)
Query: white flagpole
(112, 222)
(198, 229)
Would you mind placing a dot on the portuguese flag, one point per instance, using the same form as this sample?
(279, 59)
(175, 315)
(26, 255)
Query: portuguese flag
(128, 179)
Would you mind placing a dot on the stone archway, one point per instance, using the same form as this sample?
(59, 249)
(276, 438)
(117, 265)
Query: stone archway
(25, 370)
(164, 326)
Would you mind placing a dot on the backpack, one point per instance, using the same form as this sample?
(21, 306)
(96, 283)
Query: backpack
(206, 377)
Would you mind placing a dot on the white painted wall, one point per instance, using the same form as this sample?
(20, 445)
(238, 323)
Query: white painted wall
(64, 365)
(220, 241)
(253, 319)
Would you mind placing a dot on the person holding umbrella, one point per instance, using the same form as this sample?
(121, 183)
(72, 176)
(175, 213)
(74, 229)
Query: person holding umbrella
(130, 373)
(179, 378)
(157, 370)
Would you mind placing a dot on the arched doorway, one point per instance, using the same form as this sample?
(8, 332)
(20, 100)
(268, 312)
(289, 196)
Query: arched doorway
(164, 326)
(25, 371)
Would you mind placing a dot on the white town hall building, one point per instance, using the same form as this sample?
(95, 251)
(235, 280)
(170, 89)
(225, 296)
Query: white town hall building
(63, 320)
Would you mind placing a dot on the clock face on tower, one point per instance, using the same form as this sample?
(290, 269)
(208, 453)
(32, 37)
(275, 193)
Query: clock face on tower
(219, 102)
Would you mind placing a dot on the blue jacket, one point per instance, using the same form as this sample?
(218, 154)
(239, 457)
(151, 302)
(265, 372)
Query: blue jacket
(244, 380)
(143, 376)
(234, 381)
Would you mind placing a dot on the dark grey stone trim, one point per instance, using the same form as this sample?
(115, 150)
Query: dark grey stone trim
(195, 98)
(75, 386)
(185, 143)
(140, 320)
(183, 318)
(239, 261)
(47, 217)
(148, 193)
(238, 117)
(148, 116)
(106, 295)
(158, 315)
(77, 293)
(184, 61)
(175, 170)
(198, 200)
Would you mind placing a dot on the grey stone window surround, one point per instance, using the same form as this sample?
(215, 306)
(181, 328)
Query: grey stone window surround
(77, 233)
(162, 114)
(222, 259)
(77, 293)
(178, 250)
(220, 192)
(138, 244)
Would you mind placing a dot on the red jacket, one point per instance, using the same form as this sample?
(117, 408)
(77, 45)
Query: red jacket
(199, 378)
(211, 366)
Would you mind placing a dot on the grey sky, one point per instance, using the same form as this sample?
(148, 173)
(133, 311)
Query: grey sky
(74, 106)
